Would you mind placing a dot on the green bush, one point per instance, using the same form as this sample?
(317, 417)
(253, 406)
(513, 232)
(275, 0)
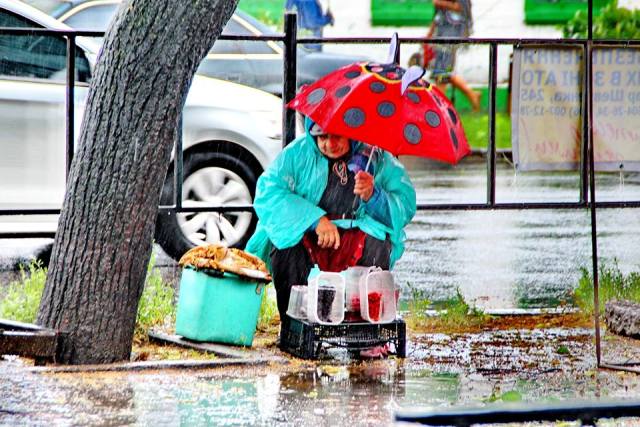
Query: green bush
(23, 296)
(612, 284)
(613, 23)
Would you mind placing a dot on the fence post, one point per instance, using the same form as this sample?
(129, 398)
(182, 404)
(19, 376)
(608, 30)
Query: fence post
(491, 149)
(584, 147)
(592, 180)
(290, 77)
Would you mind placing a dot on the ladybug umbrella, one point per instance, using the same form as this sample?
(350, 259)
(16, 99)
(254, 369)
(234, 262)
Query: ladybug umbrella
(388, 107)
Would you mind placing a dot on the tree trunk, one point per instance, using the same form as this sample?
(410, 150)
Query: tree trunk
(104, 238)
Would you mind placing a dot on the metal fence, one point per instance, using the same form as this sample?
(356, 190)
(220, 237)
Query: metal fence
(586, 199)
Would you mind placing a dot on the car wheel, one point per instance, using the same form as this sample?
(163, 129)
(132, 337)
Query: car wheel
(210, 178)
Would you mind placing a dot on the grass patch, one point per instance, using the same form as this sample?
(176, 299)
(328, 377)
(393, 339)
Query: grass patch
(417, 306)
(476, 127)
(268, 318)
(157, 303)
(23, 296)
(271, 12)
(457, 313)
(612, 284)
(156, 307)
(454, 315)
(507, 396)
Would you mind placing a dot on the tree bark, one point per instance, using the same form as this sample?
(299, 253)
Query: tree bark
(104, 238)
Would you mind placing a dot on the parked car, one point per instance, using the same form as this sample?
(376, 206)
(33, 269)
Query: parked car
(253, 63)
(230, 133)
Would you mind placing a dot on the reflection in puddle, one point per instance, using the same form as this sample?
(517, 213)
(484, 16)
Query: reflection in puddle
(442, 373)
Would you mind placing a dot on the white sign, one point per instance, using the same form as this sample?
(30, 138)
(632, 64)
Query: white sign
(547, 99)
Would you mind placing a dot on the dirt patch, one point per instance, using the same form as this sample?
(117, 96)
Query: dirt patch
(149, 351)
(500, 323)
(542, 321)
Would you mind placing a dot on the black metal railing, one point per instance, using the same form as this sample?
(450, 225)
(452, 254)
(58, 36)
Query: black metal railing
(290, 41)
(588, 413)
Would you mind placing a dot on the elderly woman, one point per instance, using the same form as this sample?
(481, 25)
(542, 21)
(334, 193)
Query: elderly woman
(317, 205)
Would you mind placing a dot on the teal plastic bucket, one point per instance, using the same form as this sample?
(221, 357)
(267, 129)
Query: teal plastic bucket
(218, 309)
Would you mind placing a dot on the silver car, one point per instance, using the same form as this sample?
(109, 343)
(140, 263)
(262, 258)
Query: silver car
(253, 63)
(230, 133)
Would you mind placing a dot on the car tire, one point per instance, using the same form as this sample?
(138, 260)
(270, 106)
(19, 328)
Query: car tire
(209, 178)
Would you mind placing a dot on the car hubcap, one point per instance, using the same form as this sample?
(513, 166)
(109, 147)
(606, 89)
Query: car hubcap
(214, 186)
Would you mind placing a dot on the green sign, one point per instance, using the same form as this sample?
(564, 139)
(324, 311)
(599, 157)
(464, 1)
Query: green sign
(402, 12)
(557, 11)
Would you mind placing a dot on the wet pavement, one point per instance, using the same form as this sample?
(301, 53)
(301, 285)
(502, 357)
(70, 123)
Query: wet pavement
(441, 370)
(513, 259)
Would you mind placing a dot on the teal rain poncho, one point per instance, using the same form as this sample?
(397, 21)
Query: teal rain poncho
(289, 191)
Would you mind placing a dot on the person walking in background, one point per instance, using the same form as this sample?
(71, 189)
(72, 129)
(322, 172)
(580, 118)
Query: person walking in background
(311, 16)
(452, 20)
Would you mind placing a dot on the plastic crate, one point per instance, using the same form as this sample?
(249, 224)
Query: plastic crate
(305, 340)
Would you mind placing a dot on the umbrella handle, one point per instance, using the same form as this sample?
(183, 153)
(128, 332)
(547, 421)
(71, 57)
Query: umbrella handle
(373, 150)
(366, 169)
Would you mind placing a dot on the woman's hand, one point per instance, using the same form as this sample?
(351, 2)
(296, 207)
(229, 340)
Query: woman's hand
(364, 185)
(328, 235)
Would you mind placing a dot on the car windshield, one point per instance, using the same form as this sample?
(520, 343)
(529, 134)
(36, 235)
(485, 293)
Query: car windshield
(97, 17)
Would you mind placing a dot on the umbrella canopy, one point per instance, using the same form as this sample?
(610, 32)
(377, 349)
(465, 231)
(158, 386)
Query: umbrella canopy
(386, 106)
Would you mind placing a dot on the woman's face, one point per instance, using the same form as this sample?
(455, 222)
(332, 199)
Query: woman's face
(333, 146)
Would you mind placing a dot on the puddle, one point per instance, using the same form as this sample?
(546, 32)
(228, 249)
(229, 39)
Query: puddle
(441, 371)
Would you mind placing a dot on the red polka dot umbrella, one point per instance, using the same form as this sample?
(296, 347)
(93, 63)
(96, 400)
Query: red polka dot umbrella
(386, 106)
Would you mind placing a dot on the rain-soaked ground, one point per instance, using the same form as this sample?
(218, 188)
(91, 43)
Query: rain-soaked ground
(498, 259)
(441, 370)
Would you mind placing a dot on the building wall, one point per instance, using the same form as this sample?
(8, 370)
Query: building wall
(492, 19)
